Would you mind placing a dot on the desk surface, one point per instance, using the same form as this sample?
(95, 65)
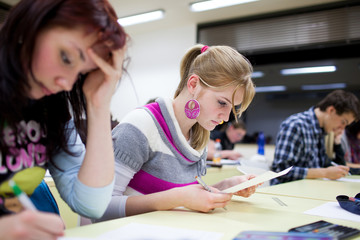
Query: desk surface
(249, 150)
(215, 174)
(326, 190)
(259, 212)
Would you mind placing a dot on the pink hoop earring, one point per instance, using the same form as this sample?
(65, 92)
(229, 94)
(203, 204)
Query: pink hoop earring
(192, 109)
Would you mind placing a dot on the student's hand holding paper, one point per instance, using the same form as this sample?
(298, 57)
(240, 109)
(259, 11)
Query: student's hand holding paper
(233, 181)
(247, 192)
(255, 181)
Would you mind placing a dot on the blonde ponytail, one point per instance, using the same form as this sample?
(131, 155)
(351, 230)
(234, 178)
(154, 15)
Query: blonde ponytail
(217, 67)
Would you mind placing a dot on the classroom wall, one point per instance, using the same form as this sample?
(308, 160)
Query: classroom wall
(153, 71)
(266, 113)
(154, 66)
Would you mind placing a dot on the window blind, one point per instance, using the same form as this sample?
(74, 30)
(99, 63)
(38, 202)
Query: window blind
(335, 26)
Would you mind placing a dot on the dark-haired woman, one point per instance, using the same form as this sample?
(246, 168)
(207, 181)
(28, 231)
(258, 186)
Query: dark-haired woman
(60, 62)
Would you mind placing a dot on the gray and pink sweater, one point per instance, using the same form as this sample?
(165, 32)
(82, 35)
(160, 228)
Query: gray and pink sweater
(151, 155)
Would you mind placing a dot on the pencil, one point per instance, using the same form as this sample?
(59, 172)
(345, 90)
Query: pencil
(203, 184)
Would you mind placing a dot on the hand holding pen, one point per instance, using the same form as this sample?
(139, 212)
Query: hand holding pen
(344, 168)
(203, 184)
(23, 198)
(30, 224)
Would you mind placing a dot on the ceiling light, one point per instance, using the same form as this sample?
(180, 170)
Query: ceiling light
(213, 4)
(323, 86)
(141, 18)
(257, 74)
(279, 88)
(306, 70)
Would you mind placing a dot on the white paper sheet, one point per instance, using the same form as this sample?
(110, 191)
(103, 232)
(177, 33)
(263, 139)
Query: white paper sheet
(137, 231)
(259, 179)
(344, 180)
(333, 210)
(348, 180)
(73, 238)
(225, 162)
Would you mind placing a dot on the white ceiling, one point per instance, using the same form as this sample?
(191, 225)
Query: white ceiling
(177, 11)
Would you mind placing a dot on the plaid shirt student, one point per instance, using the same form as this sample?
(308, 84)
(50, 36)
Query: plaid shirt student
(300, 143)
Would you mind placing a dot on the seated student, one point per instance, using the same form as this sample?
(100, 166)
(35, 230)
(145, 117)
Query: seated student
(300, 141)
(161, 148)
(338, 148)
(350, 142)
(234, 133)
(333, 147)
(60, 59)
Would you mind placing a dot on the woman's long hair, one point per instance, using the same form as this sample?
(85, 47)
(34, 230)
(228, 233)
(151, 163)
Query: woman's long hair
(218, 67)
(17, 40)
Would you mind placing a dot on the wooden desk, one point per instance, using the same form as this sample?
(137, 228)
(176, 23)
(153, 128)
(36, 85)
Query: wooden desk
(249, 150)
(266, 213)
(259, 212)
(326, 190)
(215, 174)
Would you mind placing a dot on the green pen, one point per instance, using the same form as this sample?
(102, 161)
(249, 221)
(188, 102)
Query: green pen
(23, 198)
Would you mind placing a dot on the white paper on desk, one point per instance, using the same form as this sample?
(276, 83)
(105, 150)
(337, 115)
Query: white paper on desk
(225, 162)
(229, 162)
(348, 180)
(137, 231)
(333, 210)
(73, 238)
(345, 179)
(266, 176)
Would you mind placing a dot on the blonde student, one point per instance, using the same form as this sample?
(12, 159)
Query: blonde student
(161, 147)
(60, 62)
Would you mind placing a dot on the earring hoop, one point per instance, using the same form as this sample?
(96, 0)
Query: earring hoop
(192, 109)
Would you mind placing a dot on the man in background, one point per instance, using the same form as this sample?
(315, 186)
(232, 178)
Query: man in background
(300, 141)
(234, 133)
